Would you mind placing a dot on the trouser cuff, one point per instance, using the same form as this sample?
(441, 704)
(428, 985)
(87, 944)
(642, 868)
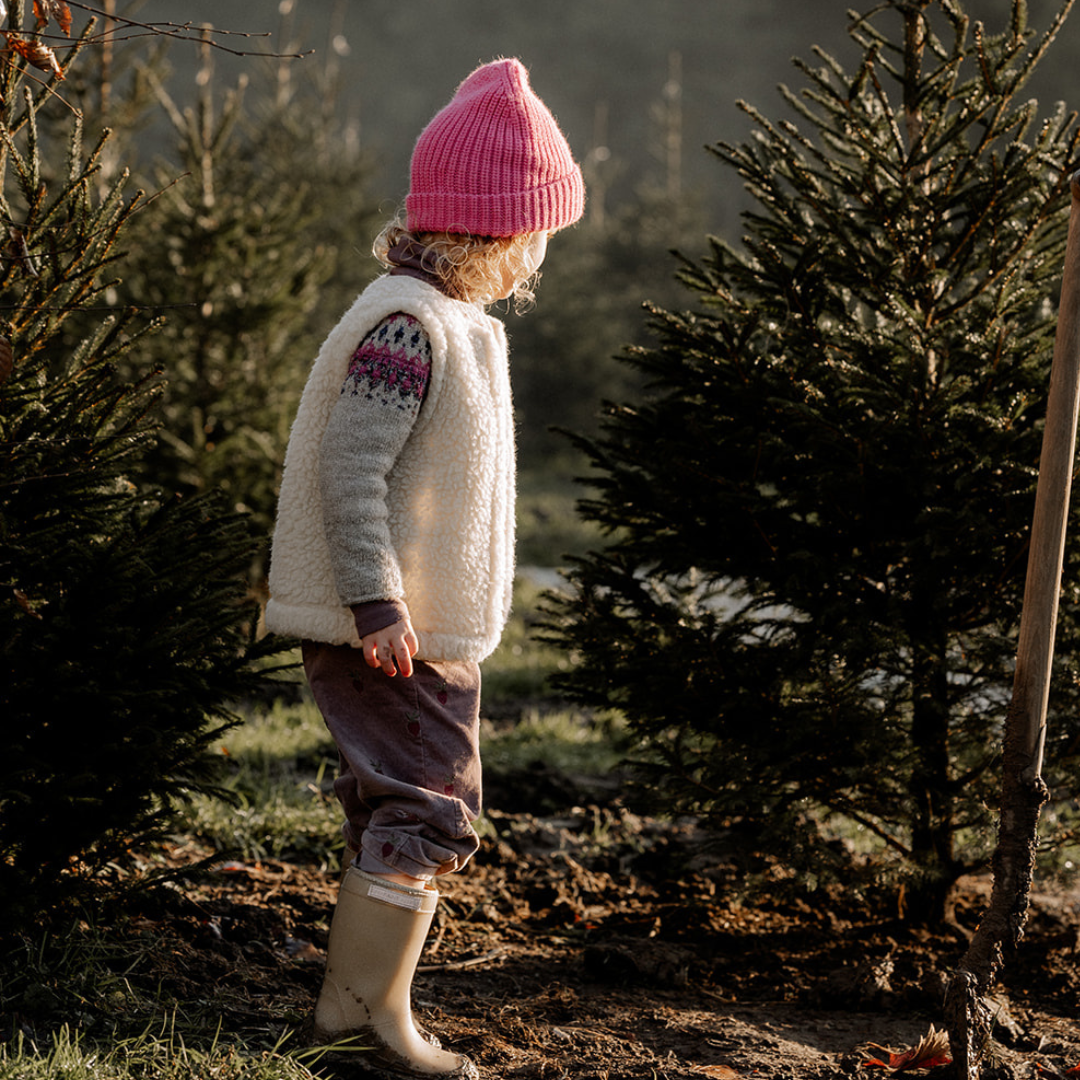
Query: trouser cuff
(385, 891)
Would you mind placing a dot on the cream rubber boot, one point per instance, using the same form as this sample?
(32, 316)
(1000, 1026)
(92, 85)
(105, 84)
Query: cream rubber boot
(425, 1034)
(376, 936)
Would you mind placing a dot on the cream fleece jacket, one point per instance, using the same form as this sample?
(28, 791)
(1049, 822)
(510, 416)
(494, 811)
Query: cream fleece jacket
(447, 502)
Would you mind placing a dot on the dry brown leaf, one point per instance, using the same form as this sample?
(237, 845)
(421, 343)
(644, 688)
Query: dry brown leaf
(55, 9)
(720, 1072)
(929, 1052)
(33, 52)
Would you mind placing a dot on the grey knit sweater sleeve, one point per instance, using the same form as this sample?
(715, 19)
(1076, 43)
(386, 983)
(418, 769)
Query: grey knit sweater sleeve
(369, 425)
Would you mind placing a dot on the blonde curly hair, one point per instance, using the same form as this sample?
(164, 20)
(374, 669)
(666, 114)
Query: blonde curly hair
(470, 268)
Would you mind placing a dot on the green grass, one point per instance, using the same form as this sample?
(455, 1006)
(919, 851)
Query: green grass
(520, 667)
(84, 1001)
(160, 1054)
(282, 765)
(564, 740)
(282, 761)
(548, 527)
(285, 806)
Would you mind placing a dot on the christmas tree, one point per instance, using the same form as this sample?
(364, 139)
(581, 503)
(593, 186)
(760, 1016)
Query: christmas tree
(236, 254)
(125, 625)
(818, 514)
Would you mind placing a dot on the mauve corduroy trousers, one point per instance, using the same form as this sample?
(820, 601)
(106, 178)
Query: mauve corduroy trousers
(409, 780)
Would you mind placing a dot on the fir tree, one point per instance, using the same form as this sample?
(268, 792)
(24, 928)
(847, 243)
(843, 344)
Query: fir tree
(125, 625)
(224, 254)
(818, 514)
(589, 305)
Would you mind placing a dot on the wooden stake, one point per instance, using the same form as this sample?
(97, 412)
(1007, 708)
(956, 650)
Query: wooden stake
(1023, 791)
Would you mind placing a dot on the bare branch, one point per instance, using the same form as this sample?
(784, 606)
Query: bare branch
(122, 28)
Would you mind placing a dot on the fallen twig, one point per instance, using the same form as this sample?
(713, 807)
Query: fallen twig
(457, 965)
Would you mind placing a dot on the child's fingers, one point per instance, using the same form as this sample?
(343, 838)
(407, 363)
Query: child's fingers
(404, 647)
(392, 649)
(380, 654)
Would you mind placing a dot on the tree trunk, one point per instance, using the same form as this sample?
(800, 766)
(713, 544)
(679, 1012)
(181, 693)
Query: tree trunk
(1023, 791)
(932, 830)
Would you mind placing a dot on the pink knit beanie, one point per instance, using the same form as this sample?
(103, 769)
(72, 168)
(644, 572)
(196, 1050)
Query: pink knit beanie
(493, 162)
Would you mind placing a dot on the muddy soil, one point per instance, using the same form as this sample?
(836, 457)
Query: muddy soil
(592, 943)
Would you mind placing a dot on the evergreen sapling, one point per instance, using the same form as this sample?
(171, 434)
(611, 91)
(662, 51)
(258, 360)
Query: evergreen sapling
(125, 623)
(818, 513)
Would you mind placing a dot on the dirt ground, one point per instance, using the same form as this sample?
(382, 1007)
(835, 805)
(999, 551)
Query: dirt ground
(591, 944)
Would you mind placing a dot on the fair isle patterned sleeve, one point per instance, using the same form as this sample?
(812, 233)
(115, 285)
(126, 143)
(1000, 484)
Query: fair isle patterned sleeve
(369, 425)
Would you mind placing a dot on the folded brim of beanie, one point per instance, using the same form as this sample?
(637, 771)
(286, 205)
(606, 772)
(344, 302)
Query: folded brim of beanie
(541, 209)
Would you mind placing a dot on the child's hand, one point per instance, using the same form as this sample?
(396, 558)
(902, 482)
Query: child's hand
(395, 642)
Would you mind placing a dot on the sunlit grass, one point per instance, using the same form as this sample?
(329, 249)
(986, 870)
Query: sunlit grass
(282, 764)
(161, 1054)
(548, 527)
(565, 741)
(91, 1003)
(521, 666)
(284, 804)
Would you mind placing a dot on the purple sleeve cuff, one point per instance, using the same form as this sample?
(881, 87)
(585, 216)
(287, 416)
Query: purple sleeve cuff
(376, 614)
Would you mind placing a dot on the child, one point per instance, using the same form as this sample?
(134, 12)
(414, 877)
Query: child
(393, 553)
